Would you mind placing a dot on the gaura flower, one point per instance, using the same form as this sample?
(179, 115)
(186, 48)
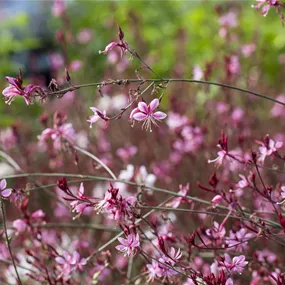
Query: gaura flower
(146, 114)
(97, 115)
(128, 245)
(15, 89)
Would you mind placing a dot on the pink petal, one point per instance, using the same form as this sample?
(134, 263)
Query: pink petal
(143, 107)
(153, 105)
(123, 241)
(94, 110)
(3, 184)
(139, 116)
(81, 190)
(159, 115)
(6, 193)
(279, 144)
(136, 110)
(120, 247)
(60, 260)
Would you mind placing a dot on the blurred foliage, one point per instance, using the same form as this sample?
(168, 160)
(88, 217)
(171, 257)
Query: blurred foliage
(155, 29)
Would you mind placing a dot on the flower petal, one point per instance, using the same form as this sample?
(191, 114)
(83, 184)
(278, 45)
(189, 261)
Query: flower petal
(136, 110)
(159, 115)
(6, 193)
(143, 107)
(139, 116)
(153, 105)
(3, 184)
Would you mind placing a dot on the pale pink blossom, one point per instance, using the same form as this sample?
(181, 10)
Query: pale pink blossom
(127, 152)
(198, 72)
(233, 64)
(269, 149)
(183, 190)
(176, 121)
(238, 241)
(229, 20)
(97, 115)
(146, 114)
(278, 110)
(142, 177)
(19, 225)
(58, 133)
(84, 36)
(75, 65)
(69, 263)
(265, 5)
(243, 182)
(248, 49)
(5, 192)
(128, 246)
(216, 232)
(217, 200)
(219, 160)
(123, 45)
(7, 139)
(237, 264)
(153, 271)
(58, 8)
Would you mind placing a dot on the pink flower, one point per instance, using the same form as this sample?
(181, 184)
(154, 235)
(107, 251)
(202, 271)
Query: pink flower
(238, 241)
(84, 36)
(228, 20)
(248, 49)
(176, 121)
(176, 201)
(268, 148)
(219, 160)
(154, 271)
(69, 263)
(146, 113)
(19, 225)
(237, 264)
(216, 232)
(15, 89)
(75, 65)
(64, 131)
(266, 5)
(5, 192)
(217, 199)
(198, 73)
(58, 8)
(243, 182)
(129, 245)
(278, 110)
(7, 139)
(126, 152)
(121, 44)
(97, 115)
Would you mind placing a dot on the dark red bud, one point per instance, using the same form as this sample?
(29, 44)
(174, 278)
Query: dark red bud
(67, 76)
(62, 184)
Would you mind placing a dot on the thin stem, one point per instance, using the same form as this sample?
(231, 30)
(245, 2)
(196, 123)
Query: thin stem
(168, 80)
(10, 160)
(99, 161)
(130, 268)
(99, 178)
(77, 226)
(8, 241)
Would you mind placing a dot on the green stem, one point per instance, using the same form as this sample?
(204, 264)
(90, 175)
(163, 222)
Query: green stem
(168, 80)
(8, 241)
(99, 178)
